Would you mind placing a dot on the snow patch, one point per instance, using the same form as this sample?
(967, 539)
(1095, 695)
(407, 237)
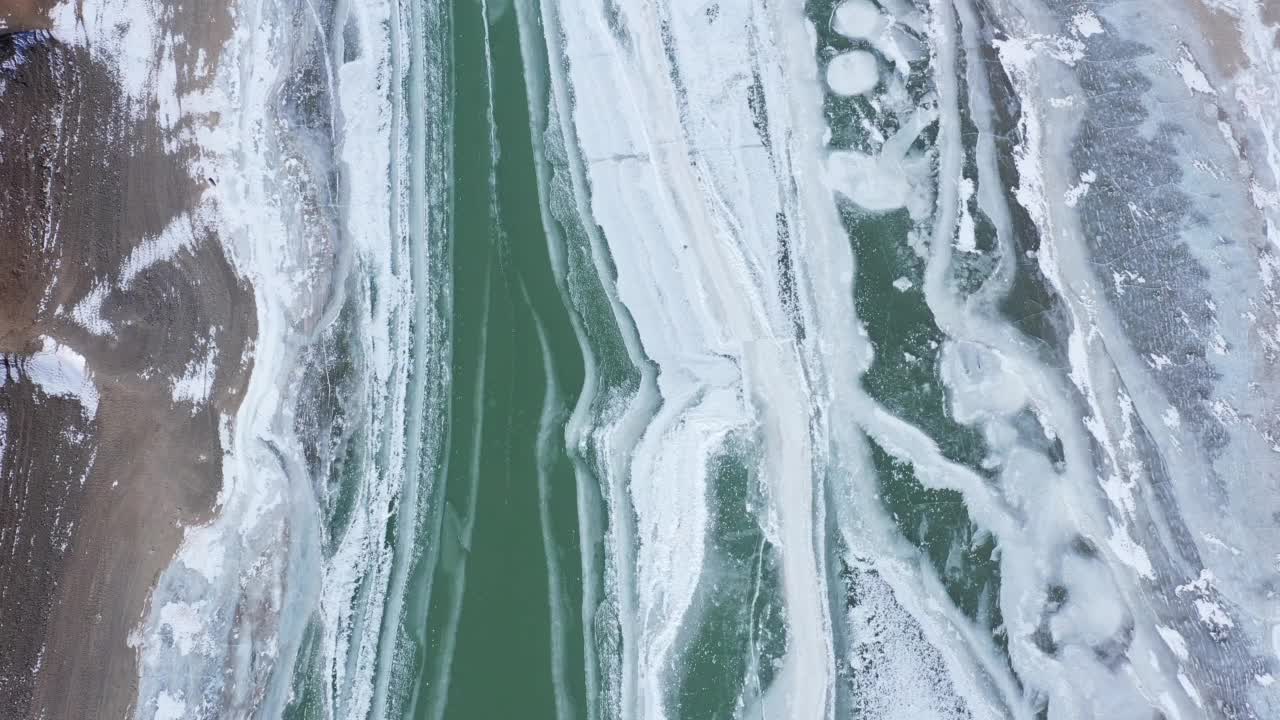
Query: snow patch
(123, 35)
(184, 625)
(1086, 24)
(1129, 552)
(1212, 614)
(170, 706)
(88, 312)
(966, 236)
(203, 552)
(196, 382)
(1175, 641)
(1192, 76)
(175, 236)
(1078, 191)
(58, 370)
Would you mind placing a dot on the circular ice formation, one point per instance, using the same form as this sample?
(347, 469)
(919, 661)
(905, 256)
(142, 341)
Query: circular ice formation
(853, 73)
(857, 19)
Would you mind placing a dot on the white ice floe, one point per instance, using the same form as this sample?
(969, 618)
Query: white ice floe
(858, 19)
(895, 178)
(982, 383)
(884, 32)
(853, 73)
(875, 184)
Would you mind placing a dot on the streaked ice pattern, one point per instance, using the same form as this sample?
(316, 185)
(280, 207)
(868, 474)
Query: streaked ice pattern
(293, 594)
(928, 358)
(980, 294)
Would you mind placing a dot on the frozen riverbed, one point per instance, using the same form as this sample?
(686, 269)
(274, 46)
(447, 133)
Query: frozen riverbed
(649, 359)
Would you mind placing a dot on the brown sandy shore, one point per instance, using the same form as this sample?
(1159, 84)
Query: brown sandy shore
(92, 509)
(20, 15)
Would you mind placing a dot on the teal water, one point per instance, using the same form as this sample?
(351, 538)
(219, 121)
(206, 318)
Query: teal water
(503, 634)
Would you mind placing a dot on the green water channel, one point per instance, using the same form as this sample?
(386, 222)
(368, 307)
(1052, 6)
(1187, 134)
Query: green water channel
(503, 635)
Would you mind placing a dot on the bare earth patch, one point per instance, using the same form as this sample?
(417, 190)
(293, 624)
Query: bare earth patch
(94, 503)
